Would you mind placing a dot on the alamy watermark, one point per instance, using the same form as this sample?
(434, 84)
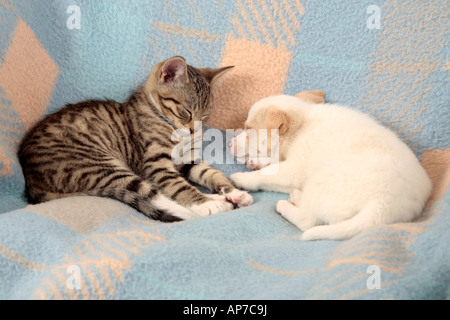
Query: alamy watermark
(374, 19)
(374, 280)
(74, 20)
(73, 281)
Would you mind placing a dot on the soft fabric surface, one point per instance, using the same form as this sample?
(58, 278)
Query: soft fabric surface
(94, 248)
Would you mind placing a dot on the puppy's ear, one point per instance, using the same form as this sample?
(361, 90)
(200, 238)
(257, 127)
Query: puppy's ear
(277, 119)
(212, 75)
(316, 96)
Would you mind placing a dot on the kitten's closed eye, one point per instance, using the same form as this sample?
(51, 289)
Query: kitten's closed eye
(187, 116)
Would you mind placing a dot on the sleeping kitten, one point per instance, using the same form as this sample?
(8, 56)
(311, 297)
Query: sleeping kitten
(346, 173)
(123, 150)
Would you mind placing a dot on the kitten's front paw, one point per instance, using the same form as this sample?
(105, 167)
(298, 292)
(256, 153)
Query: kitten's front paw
(212, 207)
(244, 180)
(239, 198)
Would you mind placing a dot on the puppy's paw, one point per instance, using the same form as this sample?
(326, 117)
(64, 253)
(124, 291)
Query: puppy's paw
(244, 180)
(295, 197)
(212, 207)
(258, 163)
(283, 207)
(239, 198)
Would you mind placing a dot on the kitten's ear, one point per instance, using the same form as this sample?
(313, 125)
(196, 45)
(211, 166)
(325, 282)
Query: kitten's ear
(174, 72)
(277, 119)
(213, 74)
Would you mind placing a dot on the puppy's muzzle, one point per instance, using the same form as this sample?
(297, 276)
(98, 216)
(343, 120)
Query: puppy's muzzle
(238, 147)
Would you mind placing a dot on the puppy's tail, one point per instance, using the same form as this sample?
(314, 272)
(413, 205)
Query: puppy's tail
(371, 215)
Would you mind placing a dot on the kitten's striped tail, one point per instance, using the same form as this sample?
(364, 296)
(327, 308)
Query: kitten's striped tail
(155, 206)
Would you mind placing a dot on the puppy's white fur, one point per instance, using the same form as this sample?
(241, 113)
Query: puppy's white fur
(349, 173)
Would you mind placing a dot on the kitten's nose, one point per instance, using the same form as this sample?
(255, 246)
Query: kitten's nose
(192, 127)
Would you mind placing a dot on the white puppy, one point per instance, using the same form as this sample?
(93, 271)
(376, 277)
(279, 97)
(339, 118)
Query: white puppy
(346, 172)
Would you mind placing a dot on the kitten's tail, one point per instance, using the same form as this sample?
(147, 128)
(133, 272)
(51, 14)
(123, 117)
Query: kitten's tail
(157, 206)
(371, 215)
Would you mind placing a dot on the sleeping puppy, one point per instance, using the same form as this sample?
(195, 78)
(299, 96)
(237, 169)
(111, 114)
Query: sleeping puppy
(344, 171)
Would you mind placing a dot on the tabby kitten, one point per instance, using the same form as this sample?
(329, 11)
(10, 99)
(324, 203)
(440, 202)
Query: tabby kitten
(123, 150)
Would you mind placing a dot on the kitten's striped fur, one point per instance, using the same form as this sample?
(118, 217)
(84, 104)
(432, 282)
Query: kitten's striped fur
(123, 150)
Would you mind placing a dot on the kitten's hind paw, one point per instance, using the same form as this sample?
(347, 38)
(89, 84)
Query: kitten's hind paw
(212, 207)
(172, 208)
(215, 196)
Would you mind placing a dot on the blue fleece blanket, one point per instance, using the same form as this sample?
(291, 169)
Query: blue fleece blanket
(387, 58)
